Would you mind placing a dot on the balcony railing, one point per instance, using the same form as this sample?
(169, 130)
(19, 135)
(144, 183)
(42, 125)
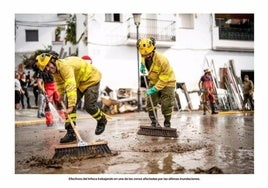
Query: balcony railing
(161, 30)
(243, 34)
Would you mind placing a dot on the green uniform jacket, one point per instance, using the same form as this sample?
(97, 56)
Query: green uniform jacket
(75, 73)
(161, 73)
(248, 87)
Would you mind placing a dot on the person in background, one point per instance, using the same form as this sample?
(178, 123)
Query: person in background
(18, 91)
(24, 84)
(162, 80)
(207, 87)
(48, 90)
(42, 100)
(29, 78)
(75, 78)
(35, 87)
(248, 89)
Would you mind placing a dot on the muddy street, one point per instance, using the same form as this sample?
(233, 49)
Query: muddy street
(206, 144)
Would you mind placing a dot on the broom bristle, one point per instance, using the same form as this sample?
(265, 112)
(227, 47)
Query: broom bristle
(73, 150)
(158, 131)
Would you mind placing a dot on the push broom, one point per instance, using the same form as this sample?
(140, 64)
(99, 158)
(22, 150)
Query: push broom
(81, 148)
(158, 130)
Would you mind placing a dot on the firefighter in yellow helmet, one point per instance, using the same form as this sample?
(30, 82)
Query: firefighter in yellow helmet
(76, 78)
(161, 77)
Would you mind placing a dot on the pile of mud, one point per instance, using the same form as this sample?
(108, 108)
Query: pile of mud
(41, 161)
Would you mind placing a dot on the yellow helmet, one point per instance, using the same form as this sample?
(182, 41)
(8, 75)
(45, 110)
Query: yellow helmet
(42, 60)
(146, 45)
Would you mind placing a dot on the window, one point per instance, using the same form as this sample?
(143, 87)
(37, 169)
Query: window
(31, 35)
(112, 17)
(187, 21)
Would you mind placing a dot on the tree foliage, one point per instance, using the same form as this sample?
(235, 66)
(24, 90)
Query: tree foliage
(29, 62)
(71, 30)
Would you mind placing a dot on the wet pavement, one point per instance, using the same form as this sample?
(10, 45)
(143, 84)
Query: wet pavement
(206, 144)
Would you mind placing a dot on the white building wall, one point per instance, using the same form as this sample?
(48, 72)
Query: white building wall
(34, 21)
(198, 37)
(118, 65)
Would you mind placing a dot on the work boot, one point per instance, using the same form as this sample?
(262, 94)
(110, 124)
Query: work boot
(69, 137)
(167, 121)
(213, 108)
(101, 126)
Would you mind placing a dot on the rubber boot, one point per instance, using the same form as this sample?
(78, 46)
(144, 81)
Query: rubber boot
(213, 108)
(70, 135)
(153, 119)
(167, 121)
(101, 125)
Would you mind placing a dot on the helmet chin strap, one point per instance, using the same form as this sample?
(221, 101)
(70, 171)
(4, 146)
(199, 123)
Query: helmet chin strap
(151, 56)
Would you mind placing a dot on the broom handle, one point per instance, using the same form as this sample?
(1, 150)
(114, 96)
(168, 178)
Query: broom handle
(150, 98)
(72, 123)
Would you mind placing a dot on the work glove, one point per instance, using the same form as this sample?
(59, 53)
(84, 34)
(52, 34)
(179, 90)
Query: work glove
(142, 69)
(151, 91)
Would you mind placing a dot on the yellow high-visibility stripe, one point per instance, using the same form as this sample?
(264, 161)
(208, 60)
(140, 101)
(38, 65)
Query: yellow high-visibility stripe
(152, 108)
(96, 114)
(72, 116)
(169, 114)
(68, 121)
(98, 118)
